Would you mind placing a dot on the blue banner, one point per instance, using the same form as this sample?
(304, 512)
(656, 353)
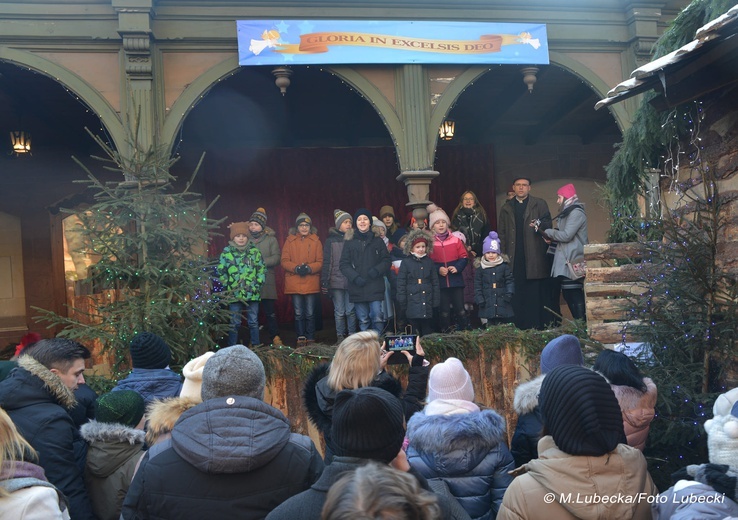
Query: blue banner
(312, 42)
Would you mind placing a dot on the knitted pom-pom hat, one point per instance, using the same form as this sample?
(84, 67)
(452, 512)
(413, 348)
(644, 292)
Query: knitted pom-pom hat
(450, 380)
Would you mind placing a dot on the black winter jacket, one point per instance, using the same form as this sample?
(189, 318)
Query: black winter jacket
(230, 457)
(331, 277)
(318, 398)
(493, 290)
(38, 402)
(364, 262)
(418, 290)
(524, 444)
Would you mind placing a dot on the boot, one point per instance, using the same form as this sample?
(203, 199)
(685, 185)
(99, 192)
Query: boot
(277, 341)
(578, 311)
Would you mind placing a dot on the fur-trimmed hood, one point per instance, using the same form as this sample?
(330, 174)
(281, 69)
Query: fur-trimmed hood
(415, 233)
(95, 431)
(455, 444)
(111, 446)
(349, 235)
(313, 231)
(51, 382)
(631, 398)
(526, 395)
(162, 415)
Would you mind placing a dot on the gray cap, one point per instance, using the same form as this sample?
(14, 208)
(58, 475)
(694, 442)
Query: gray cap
(234, 370)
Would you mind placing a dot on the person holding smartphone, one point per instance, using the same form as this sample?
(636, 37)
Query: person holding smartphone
(418, 288)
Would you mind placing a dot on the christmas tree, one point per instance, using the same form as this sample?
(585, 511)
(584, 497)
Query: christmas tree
(153, 274)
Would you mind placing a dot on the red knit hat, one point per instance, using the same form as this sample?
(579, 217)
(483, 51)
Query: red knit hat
(567, 191)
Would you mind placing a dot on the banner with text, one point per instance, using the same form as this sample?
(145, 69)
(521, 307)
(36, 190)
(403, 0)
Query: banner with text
(307, 42)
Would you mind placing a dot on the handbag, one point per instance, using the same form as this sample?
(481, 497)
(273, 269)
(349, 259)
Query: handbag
(577, 268)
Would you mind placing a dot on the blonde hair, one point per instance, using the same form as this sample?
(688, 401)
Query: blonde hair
(13, 447)
(356, 362)
(379, 491)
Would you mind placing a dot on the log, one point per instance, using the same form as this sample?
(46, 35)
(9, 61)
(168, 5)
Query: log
(608, 309)
(625, 273)
(611, 332)
(601, 290)
(612, 251)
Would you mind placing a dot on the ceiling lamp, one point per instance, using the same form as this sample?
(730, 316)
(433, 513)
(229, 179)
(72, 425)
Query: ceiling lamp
(529, 76)
(283, 78)
(446, 131)
(21, 142)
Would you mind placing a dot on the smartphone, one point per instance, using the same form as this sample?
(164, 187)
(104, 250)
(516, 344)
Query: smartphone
(398, 344)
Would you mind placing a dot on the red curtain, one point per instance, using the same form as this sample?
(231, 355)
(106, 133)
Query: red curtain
(286, 182)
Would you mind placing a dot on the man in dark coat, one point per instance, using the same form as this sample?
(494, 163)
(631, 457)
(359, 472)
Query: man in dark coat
(368, 424)
(231, 456)
(527, 252)
(37, 396)
(364, 262)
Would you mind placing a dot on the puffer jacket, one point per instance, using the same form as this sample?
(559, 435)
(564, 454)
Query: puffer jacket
(318, 398)
(639, 409)
(687, 500)
(242, 272)
(570, 239)
(468, 451)
(111, 459)
(365, 256)
(450, 252)
(300, 250)
(493, 290)
(229, 457)
(268, 246)
(578, 480)
(38, 402)
(524, 445)
(418, 290)
(151, 383)
(332, 277)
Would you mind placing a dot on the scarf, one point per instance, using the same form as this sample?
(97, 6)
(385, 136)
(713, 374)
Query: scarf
(256, 234)
(419, 256)
(486, 264)
(444, 236)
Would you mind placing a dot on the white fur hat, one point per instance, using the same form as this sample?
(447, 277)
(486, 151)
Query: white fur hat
(192, 372)
(450, 380)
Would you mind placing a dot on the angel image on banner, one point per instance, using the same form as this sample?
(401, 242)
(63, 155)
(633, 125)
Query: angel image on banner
(269, 40)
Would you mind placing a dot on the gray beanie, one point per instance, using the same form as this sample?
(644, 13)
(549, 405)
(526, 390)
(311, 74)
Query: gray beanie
(234, 370)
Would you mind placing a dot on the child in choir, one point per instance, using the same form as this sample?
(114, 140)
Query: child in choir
(418, 290)
(494, 284)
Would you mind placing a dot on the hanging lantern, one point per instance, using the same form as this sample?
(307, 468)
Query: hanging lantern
(446, 131)
(21, 142)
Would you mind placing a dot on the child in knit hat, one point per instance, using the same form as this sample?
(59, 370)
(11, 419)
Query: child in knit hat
(265, 240)
(418, 290)
(116, 441)
(302, 261)
(333, 282)
(453, 440)
(494, 284)
(242, 273)
(450, 257)
(394, 230)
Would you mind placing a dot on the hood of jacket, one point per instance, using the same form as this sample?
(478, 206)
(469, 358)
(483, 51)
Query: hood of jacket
(152, 382)
(163, 415)
(526, 395)
(111, 446)
(415, 233)
(455, 444)
(293, 232)
(35, 384)
(234, 434)
(353, 233)
(622, 472)
(638, 407)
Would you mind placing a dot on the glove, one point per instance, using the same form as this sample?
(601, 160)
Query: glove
(373, 273)
(324, 289)
(417, 361)
(720, 477)
(302, 270)
(308, 269)
(359, 281)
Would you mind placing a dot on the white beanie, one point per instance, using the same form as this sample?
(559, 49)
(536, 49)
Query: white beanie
(722, 430)
(450, 380)
(192, 372)
(435, 214)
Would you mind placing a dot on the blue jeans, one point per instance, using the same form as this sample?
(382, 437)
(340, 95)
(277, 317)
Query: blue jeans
(304, 305)
(369, 314)
(271, 317)
(343, 312)
(252, 318)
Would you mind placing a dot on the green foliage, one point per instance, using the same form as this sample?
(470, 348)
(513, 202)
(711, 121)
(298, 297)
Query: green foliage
(153, 274)
(645, 143)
